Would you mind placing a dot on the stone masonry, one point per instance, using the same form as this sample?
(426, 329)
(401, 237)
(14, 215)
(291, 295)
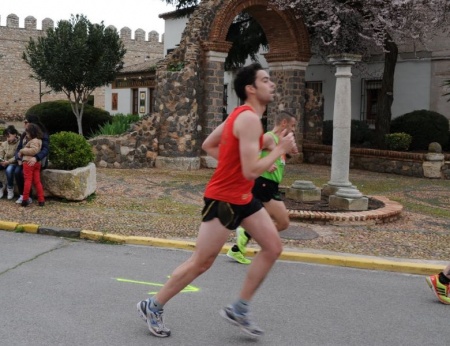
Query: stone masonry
(18, 92)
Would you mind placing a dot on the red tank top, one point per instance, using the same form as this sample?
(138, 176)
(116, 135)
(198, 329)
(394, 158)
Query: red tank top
(228, 184)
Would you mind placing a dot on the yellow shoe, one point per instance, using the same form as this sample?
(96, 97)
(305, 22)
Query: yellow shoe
(241, 239)
(238, 257)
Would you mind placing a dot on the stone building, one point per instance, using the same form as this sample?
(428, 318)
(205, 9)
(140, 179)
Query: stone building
(18, 92)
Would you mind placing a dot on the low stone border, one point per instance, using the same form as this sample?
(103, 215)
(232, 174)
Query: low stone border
(390, 212)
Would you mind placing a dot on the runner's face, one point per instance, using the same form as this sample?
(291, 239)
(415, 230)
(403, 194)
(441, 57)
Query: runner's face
(291, 125)
(265, 88)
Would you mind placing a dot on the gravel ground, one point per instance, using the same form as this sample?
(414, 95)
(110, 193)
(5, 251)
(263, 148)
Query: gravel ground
(165, 204)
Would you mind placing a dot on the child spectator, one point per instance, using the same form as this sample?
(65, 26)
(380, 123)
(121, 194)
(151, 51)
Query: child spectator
(31, 169)
(7, 159)
(40, 157)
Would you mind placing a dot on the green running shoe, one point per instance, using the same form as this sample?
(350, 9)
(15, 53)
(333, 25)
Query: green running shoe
(441, 291)
(238, 257)
(241, 239)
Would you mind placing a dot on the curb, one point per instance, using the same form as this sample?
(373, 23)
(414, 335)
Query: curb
(350, 261)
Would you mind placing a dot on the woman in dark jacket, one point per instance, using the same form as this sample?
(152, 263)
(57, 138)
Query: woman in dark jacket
(39, 157)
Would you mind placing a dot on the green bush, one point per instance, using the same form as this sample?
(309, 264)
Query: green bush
(361, 134)
(424, 127)
(120, 124)
(398, 141)
(57, 116)
(69, 150)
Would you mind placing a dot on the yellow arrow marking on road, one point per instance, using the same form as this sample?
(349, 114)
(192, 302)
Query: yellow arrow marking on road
(188, 288)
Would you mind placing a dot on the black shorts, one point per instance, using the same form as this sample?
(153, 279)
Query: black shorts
(229, 215)
(266, 189)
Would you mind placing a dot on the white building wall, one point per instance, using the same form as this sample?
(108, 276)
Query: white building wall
(173, 29)
(417, 83)
(411, 86)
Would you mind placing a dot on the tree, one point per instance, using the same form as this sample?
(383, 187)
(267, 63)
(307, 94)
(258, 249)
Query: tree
(75, 58)
(380, 23)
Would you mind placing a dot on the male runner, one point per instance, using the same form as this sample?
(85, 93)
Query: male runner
(266, 186)
(229, 202)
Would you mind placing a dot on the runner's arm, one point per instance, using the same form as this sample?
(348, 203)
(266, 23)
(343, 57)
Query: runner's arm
(248, 129)
(211, 143)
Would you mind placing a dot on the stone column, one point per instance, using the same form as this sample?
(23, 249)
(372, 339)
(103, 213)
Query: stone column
(340, 159)
(289, 77)
(214, 75)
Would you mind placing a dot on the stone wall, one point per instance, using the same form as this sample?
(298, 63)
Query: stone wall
(383, 161)
(189, 85)
(313, 122)
(18, 92)
(137, 148)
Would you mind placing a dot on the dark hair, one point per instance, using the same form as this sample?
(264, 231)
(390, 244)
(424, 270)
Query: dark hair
(245, 76)
(34, 119)
(10, 130)
(282, 115)
(34, 130)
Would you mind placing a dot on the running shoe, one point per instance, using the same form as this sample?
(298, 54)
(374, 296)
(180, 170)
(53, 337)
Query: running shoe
(238, 257)
(241, 239)
(243, 321)
(154, 319)
(440, 290)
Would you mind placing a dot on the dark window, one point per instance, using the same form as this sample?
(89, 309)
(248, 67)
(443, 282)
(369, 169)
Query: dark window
(225, 102)
(151, 100)
(135, 101)
(316, 86)
(114, 101)
(370, 90)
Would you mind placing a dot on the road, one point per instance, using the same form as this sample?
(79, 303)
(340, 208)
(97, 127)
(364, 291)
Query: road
(56, 291)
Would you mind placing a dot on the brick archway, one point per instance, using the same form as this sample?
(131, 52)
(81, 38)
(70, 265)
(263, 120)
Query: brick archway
(287, 36)
(190, 100)
(288, 56)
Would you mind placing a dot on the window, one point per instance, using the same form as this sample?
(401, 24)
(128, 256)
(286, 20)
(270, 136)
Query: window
(135, 101)
(370, 90)
(225, 102)
(316, 86)
(114, 101)
(151, 100)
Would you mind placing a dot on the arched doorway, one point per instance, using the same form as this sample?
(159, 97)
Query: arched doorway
(198, 86)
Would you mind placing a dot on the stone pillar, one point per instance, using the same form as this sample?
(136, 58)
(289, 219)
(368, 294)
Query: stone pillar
(434, 161)
(214, 76)
(289, 77)
(346, 195)
(303, 191)
(340, 159)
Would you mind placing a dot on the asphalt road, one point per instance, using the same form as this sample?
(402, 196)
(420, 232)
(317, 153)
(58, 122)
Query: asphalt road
(72, 292)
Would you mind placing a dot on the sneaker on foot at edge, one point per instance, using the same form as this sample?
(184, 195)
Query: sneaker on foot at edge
(241, 239)
(238, 257)
(440, 290)
(154, 319)
(20, 200)
(242, 321)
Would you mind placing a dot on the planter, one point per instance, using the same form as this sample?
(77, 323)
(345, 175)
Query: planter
(74, 185)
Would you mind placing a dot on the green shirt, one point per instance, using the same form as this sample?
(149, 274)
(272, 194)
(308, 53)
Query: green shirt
(280, 162)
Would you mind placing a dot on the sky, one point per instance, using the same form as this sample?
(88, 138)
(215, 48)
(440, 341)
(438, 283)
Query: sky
(140, 14)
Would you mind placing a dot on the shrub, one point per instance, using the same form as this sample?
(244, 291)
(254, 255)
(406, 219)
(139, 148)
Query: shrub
(69, 150)
(398, 141)
(424, 127)
(120, 124)
(360, 133)
(57, 116)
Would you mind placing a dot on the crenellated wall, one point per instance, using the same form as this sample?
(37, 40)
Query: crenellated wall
(18, 91)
